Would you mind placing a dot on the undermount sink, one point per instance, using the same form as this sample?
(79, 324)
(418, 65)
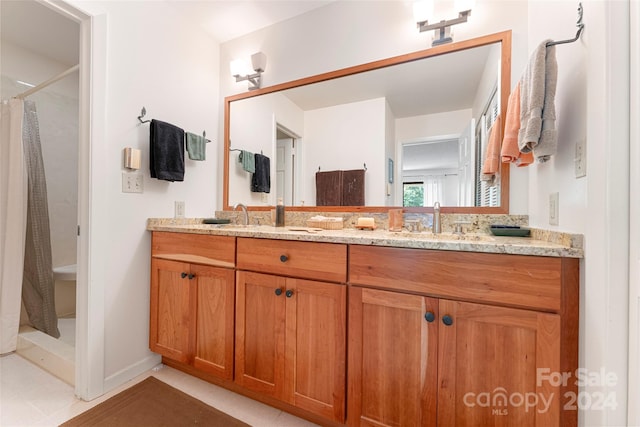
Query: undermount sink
(428, 235)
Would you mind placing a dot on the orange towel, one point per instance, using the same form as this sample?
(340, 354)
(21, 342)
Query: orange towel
(492, 156)
(510, 151)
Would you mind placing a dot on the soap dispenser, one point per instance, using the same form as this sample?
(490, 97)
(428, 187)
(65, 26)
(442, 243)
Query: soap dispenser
(280, 213)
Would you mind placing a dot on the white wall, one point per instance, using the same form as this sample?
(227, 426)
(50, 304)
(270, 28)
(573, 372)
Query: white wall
(591, 104)
(328, 133)
(347, 33)
(174, 74)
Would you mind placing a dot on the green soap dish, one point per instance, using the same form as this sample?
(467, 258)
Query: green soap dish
(510, 231)
(216, 221)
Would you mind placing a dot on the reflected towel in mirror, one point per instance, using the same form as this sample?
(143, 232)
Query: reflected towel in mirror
(248, 161)
(261, 179)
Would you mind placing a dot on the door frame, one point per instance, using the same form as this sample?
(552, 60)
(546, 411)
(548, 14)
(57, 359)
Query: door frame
(89, 350)
(634, 212)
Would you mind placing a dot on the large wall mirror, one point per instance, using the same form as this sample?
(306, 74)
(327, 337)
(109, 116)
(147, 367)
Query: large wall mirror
(415, 127)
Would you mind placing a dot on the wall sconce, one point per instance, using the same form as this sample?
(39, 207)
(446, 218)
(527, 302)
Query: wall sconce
(423, 10)
(241, 71)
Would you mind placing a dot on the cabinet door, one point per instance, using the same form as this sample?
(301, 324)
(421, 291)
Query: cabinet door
(393, 340)
(214, 320)
(260, 332)
(170, 308)
(316, 347)
(488, 366)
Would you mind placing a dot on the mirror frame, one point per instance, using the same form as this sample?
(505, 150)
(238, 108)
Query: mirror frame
(503, 37)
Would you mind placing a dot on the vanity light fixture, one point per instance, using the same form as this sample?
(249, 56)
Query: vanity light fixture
(241, 71)
(423, 10)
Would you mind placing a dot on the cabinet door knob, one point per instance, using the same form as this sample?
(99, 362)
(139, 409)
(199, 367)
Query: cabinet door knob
(191, 276)
(279, 291)
(429, 316)
(289, 293)
(183, 274)
(447, 320)
(284, 258)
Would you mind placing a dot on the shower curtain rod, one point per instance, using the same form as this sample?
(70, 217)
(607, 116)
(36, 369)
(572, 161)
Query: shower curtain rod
(48, 82)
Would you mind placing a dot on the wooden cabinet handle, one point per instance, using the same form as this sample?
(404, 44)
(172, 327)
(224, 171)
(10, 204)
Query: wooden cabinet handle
(279, 291)
(429, 316)
(289, 293)
(447, 320)
(284, 258)
(191, 276)
(183, 274)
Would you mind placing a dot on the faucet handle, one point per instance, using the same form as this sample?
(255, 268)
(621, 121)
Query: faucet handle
(458, 228)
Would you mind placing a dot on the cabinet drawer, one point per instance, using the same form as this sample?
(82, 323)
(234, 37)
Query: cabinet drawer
(309, 260)
(194, 248)
(514, 280)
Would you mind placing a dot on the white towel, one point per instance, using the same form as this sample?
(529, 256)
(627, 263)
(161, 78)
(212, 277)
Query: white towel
(537, 104)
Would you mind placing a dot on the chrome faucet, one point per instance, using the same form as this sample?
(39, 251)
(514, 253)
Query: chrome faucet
(244, 211)
(437, 226)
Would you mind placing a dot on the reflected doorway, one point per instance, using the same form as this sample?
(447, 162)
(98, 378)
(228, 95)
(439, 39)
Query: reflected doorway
(286, 165)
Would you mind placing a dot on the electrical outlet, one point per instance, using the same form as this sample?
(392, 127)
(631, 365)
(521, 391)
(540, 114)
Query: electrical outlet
(554, 208)
(132, 182)
(264, 197)
(178, 209)
(581, 159)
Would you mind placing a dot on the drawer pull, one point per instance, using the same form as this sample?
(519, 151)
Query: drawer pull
(447, 320)
(183, 274)
(278, 291)
(284, 258)
(429, 316)
(289, 293)
(191, 276)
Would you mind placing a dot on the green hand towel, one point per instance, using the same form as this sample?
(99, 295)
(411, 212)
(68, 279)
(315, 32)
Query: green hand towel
(196, 146)
(248, 161)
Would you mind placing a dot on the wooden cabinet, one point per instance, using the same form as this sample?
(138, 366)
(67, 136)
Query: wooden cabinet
(488, 361)
(291, 333)
(429, 338)
(460, 363)
(192, 306)
(392, 359)
(170, 323)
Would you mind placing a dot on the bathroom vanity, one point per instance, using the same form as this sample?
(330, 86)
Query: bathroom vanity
(358, 328)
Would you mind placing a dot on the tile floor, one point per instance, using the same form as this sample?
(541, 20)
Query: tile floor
(31, 397)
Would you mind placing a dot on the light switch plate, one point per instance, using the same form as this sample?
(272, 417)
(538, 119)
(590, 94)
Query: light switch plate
(132, 182)
(178, 209)
(554, 208)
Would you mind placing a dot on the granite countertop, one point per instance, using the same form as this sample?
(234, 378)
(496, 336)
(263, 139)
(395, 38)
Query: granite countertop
(542, 243)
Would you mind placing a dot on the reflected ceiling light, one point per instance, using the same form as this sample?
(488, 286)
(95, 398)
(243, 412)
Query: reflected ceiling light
(241, 70)
(423, 10)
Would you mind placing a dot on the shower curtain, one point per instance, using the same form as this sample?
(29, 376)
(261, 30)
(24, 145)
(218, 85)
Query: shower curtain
(25, 241)
(13, 221)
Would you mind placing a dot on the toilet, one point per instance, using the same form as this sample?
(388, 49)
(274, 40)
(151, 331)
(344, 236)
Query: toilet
(65, 272)
(65, 290)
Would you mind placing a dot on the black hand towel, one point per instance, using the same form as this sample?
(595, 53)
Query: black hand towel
(261, 179)
(166, 151)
